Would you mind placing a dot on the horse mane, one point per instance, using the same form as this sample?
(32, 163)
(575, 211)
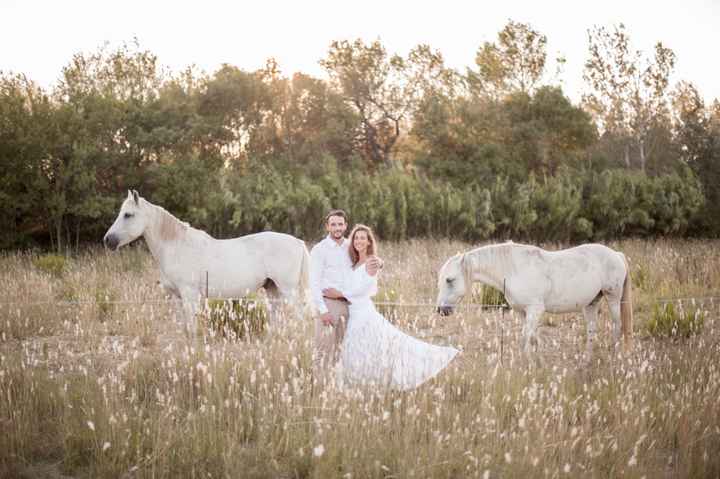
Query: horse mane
(497, 259)
(466, 269)
(169, 227)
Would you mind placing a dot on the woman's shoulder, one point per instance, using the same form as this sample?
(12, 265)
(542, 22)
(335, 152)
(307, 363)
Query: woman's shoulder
(359, 267)
(365, 270)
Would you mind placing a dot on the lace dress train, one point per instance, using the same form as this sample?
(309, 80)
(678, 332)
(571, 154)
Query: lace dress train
(376, 353)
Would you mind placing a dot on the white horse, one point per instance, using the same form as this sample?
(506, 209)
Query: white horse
(194, 265)
(536, 281)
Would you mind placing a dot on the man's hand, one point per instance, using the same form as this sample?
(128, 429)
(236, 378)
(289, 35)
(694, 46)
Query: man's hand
(332, 293)
(327, 319)
(373, 265)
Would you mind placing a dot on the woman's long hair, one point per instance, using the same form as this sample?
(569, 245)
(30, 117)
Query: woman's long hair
(372, 244)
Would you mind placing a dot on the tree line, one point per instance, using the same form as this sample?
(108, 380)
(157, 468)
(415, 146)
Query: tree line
(403, 143)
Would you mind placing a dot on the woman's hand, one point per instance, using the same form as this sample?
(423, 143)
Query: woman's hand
(373, 265)
(332, 293)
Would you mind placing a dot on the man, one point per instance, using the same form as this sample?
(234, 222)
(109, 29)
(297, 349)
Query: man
(330, 265)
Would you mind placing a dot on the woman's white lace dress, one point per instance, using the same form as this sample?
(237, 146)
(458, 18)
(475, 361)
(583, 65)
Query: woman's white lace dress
(376, 353)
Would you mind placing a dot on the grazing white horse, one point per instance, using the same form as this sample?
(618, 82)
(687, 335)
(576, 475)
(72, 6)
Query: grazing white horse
(192, 261)
(536, 281)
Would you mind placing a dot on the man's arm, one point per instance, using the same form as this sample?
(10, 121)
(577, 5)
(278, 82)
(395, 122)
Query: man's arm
(317, 264)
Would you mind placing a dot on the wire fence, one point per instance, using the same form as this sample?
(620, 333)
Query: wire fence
(464, 305)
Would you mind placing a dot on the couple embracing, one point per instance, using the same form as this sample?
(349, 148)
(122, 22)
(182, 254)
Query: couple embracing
(354, 344)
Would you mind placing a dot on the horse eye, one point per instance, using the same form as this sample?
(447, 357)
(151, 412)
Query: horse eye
(449, 280)
(128, 215)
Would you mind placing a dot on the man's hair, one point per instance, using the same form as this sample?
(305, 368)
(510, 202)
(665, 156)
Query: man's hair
(339, 213)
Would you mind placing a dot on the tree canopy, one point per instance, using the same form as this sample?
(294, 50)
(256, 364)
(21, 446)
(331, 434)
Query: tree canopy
(401, 141)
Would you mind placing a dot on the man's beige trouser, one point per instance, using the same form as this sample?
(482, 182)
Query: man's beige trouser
(328, 339)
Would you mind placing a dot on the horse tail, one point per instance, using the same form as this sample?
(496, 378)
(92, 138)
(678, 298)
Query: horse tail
(626, 313)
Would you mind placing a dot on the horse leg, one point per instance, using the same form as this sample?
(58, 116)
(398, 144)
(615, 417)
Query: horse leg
(613, 301)
(274, 300)
(590, 313)
(532, 319)
(191, 307)
(291, 295)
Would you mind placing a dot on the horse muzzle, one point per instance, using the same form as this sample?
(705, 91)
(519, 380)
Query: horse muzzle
(111, 241)
(445, 310)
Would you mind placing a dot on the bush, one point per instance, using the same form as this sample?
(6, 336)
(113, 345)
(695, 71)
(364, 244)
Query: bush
(669, 321)
(490, 297)
(631, 204)
(104, 302)
(237, 318)
(53, 264)
(573, 205)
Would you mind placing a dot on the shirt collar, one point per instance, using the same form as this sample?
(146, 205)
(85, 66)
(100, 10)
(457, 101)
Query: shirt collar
(333, 243)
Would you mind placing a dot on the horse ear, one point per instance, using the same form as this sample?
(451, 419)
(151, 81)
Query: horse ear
(136, 196)
(130, 195)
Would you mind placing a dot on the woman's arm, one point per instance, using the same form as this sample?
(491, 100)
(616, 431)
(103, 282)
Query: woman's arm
(363, 286)
(373, 265)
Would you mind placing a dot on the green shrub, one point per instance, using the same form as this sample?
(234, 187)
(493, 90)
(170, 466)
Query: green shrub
(489, 297)
(237, 318)
(669, 321)
(104, 301)
(641, 278)
(53, 264)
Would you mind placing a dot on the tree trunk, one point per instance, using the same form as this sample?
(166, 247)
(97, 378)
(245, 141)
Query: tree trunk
(641, 144)
(58, 235)
(77, 235)
(627, 155)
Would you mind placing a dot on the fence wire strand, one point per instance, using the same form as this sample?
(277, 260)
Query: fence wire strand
(462, 305)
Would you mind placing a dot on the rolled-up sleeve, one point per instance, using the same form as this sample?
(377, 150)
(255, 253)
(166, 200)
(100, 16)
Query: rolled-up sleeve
(317, 263)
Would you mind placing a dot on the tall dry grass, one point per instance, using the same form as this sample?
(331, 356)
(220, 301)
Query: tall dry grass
(97, 379)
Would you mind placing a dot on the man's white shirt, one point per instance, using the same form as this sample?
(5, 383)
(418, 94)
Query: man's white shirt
(330, 266)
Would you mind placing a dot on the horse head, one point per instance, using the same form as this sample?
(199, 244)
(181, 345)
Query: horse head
(452, 284)
(130, 223)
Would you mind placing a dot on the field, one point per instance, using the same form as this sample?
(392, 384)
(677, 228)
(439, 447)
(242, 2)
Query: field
(97, 379)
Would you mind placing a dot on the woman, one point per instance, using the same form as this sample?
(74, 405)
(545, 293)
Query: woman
(374, 352)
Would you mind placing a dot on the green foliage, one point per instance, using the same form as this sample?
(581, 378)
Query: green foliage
(681, 322)
(52, 264)
(620, 203)
(238, 152)
(382, 89)
(515, 63)
(641, 277)
(268, 199)
(490, 297)
(558, 203)
(628, 92)
(698, 135)
(477, 139)
(237, 318)
(104, 298)
(546, 131)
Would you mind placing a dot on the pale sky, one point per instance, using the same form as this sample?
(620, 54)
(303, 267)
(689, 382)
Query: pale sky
(39, 37)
